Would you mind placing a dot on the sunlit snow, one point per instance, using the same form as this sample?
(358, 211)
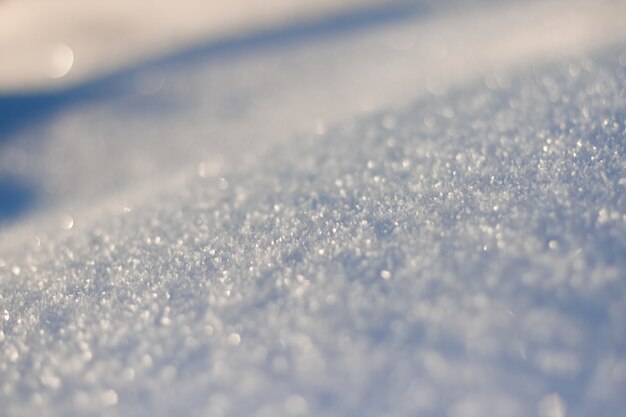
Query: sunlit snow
(456, 249)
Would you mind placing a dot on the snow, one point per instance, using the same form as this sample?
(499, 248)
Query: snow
(452, 254)
(35, 37)
(151, 124)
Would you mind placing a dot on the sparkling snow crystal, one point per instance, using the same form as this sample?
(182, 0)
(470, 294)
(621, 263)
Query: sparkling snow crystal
(230, 239)
(464, 256)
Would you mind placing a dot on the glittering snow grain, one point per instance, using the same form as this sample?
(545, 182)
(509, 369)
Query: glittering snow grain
(463, 256)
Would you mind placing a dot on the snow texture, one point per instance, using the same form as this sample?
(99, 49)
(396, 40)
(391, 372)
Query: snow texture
(464, 256)
(460, 255)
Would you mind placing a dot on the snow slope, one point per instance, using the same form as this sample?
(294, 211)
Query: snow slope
(459, 254)
(228, 102)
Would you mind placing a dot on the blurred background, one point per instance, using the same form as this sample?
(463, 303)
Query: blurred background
(47, 45)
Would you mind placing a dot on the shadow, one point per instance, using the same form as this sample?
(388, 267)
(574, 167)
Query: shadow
(16, 198)
(21, 109)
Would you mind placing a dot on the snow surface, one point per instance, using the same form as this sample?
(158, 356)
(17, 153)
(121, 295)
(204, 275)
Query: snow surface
(462, 255)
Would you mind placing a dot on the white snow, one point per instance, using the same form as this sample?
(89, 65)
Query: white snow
(455, 253)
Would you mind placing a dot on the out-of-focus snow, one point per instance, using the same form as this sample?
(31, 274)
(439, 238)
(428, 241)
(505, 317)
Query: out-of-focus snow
(102, 36)
(461, 253)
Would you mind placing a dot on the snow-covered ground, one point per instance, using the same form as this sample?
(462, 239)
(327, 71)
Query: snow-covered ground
(392, 214)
